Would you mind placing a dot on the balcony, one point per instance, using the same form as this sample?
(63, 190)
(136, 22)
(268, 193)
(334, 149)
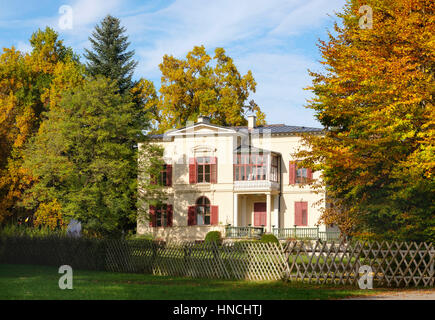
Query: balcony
(255, 185)
(256, 171)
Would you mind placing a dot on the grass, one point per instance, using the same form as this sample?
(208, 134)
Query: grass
(26, 282)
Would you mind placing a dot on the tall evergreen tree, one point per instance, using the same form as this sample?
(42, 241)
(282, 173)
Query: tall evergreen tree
(109, 56)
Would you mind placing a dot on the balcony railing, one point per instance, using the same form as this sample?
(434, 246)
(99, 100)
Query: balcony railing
(243, 232)
(255, 185)
(305, 233)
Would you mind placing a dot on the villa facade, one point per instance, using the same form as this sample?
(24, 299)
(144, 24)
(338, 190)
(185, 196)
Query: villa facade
(238, 180)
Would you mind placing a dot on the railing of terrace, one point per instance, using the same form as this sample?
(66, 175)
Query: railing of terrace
(243, 232)
(305, 233)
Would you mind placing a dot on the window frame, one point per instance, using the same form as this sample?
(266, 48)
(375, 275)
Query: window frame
(203, 204)
(250, 167)
(201, 165)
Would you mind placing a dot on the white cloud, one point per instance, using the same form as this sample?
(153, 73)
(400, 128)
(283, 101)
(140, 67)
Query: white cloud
(24, 47)
(280, 81)
(91, 12)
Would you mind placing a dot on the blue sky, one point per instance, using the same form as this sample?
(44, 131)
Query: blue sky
(275, 39)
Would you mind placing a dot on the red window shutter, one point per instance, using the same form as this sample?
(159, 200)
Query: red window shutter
(214, 220)
(309, 174)
(304, 213)
(152, 216)
(213, 170)
(301, 213)
(169, 175)
(192, 170)
(170, 215)
(292, 172)
(191, 215)
(298, 213)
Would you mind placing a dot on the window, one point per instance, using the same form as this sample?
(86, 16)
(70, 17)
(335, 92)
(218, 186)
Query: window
(203, 169)
(299, 174)
(274, 169)
(165, 177)
(161, 215)
(202, 211)
(250, 167)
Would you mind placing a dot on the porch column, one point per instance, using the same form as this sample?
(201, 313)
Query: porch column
(243, 211)
(275, 211)
(268, 212)
(235, 209)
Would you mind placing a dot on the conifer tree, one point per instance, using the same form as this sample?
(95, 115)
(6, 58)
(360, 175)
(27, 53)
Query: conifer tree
(109, 56)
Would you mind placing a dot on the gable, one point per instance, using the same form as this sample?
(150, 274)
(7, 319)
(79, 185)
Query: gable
(203, 129)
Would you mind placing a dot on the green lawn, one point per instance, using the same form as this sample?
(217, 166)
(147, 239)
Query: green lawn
(41, 282)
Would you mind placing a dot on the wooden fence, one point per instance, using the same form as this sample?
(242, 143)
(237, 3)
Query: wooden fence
(392, 263)
(241, 260)
(250, 261)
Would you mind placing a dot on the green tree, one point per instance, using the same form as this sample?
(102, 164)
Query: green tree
(84, 156)
(376, 100)
(109, 56)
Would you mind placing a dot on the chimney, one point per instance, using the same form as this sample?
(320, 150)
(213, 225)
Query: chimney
(252, 121)
(203, 119)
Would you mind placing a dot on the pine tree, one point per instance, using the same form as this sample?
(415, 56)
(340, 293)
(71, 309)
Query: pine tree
(109, 56)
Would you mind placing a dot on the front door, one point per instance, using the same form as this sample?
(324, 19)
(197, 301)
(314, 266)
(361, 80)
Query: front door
(260, 215)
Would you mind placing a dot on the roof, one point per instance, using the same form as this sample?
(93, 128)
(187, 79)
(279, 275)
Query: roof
(275, 129)
(252, 150)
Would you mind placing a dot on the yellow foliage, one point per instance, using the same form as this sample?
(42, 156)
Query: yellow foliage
(49, 215)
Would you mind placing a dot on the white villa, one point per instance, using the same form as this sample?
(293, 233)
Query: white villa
(241, 181)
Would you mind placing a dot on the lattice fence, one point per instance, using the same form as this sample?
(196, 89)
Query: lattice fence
(251, 261)
(392, 263)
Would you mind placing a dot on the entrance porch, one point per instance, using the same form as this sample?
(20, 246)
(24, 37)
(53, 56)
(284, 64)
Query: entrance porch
(258, 210)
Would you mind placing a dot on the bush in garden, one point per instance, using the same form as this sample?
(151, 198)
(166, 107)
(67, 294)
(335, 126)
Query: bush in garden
(268, 237)
(213, 236)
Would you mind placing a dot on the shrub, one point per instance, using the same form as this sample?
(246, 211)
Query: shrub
(268, 237)
(213, 236)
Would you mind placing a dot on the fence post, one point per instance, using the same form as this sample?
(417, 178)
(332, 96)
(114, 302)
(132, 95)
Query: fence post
(432, 271)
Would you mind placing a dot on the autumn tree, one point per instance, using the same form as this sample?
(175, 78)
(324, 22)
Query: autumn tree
(375, 100)
(26, 92)
(200, 85)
